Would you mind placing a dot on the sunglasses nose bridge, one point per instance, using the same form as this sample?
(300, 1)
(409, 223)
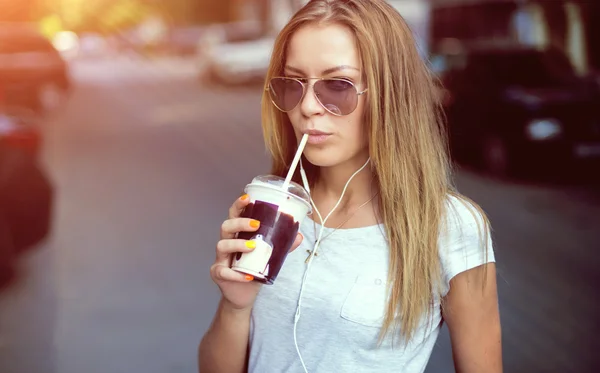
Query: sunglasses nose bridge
(308, 92)
(307, 87)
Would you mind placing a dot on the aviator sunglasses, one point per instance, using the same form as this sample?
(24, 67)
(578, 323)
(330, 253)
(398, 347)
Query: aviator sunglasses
(338, 96)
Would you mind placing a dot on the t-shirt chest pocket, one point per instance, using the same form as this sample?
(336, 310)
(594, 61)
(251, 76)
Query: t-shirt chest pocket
(366, 303)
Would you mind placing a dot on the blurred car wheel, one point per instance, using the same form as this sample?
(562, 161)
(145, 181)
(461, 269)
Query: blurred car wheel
(29, 206)
(7, 251)
(26, 192)
(496, 157)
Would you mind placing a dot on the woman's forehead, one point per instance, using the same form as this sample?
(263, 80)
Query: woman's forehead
(314, 49)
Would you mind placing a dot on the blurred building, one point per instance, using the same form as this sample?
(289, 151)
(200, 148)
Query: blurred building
(572, 26)
(593, 33)
(540, 23)
(272, 14)
(417, 14)
(275, 13)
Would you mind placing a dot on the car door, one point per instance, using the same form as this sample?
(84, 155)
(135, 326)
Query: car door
(461, 109)
(474, 103)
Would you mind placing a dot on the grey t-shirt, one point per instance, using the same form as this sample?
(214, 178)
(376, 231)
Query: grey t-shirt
(344, 301)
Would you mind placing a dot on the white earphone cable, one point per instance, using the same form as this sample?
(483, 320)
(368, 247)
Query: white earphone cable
(317, 243)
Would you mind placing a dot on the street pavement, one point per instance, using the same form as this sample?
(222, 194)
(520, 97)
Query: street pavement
(146, 161)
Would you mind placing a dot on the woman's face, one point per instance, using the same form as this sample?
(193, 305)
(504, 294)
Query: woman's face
(327, 52)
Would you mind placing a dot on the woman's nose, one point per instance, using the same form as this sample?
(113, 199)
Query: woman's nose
(310, 105)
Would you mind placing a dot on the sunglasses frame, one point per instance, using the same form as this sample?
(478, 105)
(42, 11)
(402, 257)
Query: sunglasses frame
(305, 84)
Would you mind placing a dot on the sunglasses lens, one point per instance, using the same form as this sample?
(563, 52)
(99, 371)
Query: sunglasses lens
(285, 93)
(339, 97)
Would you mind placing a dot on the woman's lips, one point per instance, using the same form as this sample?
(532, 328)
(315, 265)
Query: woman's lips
(318, 139)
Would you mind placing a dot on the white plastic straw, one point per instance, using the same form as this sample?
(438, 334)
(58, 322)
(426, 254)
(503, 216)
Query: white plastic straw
(286, 183)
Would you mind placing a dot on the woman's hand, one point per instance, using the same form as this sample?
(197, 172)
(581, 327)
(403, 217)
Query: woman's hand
(238, 289)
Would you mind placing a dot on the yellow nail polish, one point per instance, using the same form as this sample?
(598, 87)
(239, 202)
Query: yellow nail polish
(244, 197)
(251, 244)
(249, 278)
(254, 223)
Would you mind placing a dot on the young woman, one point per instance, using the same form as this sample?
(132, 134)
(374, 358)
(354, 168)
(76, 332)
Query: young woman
(401, 254)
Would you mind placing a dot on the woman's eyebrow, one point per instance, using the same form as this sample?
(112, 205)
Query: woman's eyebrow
(338, 68)
(294, 69)
(325, 72)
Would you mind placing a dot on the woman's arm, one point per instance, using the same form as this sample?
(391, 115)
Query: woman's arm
(224, 347)
(471, 312)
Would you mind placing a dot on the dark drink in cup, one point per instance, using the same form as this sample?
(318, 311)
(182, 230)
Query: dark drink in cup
(280, 212)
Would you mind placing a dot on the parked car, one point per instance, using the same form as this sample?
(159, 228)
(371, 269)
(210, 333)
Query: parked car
(26, 194)
(182, 41)
(518, 109)
(32, 71)
(234, 54)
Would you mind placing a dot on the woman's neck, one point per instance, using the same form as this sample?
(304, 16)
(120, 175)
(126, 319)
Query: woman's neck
(331, 183)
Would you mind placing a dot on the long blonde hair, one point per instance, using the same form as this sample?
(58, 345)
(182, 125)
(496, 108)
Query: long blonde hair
(407, 145)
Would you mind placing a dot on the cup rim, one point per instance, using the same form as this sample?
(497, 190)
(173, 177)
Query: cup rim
(278, 189)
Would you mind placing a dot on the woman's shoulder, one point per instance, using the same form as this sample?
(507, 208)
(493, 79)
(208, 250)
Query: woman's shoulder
(465, 239)
(461, 214)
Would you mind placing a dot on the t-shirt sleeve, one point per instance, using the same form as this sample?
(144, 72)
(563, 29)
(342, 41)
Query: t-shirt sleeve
(465, 241)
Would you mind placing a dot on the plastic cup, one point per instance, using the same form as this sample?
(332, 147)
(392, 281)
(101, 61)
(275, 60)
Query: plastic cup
(280, 212)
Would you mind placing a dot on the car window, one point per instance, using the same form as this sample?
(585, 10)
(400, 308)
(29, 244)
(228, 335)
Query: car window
(24, 44)
(480, 71)
(528, 68)
(439, 65)
(444, 64)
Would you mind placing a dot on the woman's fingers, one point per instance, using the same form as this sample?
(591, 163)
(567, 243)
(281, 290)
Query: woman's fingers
(238, 206)
(230, 246)
(221, 273)
(231, 227)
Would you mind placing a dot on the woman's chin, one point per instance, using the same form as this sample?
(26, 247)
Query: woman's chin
(329, 157)
(320, 159)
